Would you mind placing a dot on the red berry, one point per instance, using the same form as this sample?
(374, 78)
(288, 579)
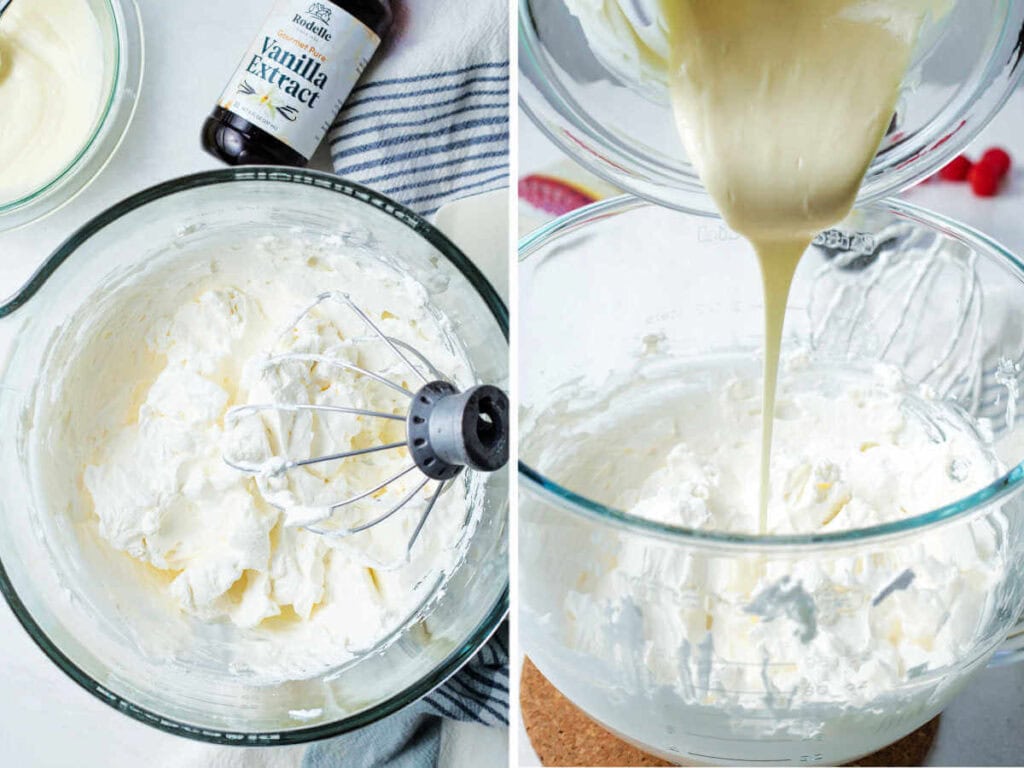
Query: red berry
(984, 180)
(957, 169)
(997, 159)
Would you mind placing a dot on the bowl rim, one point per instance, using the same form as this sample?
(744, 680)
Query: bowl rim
(933, 146)
(456, 658)
(541, 486)
(46, 199)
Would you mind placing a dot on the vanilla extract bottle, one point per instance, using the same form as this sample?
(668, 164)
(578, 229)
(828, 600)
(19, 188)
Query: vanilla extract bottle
(294, 79)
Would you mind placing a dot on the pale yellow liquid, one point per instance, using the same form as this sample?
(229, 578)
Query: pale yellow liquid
(781, 105)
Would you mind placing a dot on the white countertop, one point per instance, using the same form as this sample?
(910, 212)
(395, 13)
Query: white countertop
(45, 719)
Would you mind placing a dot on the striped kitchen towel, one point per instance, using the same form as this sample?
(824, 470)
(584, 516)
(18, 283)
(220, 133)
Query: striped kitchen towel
(411, 738)
(428, 123)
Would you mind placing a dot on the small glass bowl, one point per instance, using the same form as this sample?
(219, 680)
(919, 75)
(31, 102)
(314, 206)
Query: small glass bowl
(964, 69)
(121, 27)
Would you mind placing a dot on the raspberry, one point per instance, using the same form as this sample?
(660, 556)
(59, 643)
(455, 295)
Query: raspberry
(984, 180)
(956, 169)
(997, 159)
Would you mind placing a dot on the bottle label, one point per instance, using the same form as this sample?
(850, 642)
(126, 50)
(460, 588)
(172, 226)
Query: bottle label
(300, 70)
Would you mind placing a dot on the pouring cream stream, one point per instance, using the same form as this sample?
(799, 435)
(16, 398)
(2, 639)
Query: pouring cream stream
(781, 107)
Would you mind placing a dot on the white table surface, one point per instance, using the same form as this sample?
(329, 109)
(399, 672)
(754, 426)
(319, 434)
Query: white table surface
(46, 720)
(982, 726)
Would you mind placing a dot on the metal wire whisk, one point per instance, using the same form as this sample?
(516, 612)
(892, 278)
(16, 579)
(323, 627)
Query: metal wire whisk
(446, 430)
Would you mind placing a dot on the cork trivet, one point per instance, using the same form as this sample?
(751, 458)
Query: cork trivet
(563, 736)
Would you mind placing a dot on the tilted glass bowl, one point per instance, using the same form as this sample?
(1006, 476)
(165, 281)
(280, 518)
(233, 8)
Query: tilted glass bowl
(57, 586)
(963, 71)
(613, 297)
(121, 29)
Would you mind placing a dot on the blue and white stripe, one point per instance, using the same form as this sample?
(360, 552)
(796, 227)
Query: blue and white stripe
(428, 139)
(479, 692)
(411, 738)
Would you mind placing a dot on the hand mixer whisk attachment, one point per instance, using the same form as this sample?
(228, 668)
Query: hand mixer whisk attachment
(445, 430)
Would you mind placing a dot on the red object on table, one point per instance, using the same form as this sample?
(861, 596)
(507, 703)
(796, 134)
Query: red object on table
(552, 195)
(997, 159)
(984, 180)
(956, 169)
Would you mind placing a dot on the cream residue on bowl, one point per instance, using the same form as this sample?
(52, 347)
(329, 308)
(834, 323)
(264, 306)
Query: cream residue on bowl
(51, 90)
(131, 441)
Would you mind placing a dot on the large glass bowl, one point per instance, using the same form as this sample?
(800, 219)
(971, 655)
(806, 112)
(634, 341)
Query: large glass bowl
(94, 632)
(616, 299)
(121, 30)
(964, 69)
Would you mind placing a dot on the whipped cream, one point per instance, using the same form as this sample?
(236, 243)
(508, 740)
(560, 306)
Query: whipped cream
(854, 448)
(855, 458)
(51, 89)
(729, 630)
(629, 38)
(141, 408)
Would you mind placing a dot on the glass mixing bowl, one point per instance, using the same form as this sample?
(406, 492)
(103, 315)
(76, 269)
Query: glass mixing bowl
(121, 28)
(604, 343)
(964, 68)
(89, 629)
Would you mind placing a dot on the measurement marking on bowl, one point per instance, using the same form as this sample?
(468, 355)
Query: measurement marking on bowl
(751, 717)
(739, 739)
(743, 759)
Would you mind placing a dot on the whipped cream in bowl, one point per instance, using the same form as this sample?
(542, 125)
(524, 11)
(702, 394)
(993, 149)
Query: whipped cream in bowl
(185, 592)
(890, 567)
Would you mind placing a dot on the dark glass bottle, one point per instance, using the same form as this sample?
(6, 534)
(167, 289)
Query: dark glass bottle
(294, 80)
